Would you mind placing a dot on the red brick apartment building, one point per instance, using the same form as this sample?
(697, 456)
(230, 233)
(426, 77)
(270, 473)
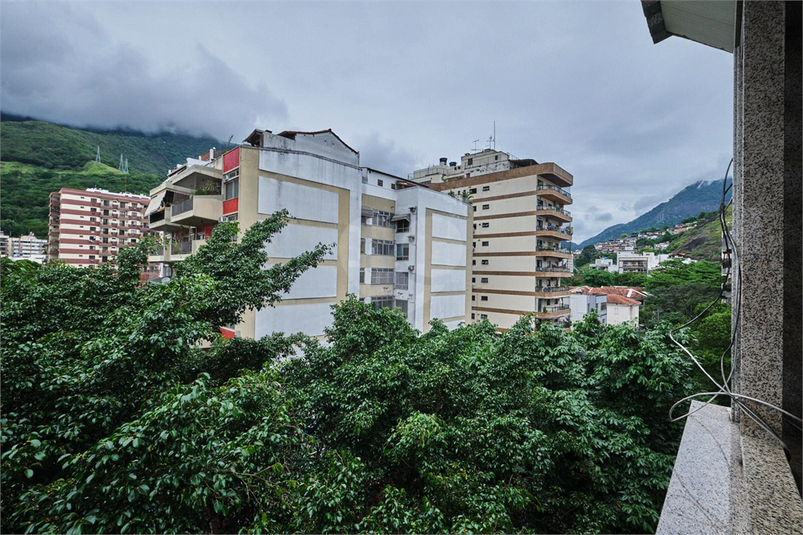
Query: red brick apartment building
(89, 227)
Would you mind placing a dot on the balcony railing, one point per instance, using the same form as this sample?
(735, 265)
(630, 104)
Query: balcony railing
(551, 289)
(554, 269)
(555, 188)
(552, 249)
(554, 209)
(550, 309)
(183, 206)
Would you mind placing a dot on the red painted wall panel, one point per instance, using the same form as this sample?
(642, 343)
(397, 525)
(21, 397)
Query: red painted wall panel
(230, 206)
(231, 160)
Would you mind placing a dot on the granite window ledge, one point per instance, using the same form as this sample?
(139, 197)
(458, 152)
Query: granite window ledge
(728, 482)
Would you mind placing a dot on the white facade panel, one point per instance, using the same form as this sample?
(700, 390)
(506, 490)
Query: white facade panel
(447, 306)
(448, 280)
(310, 319)
(447, 227)
(294, 240)
(303, 202)
(320, 281)
(452, 325)
(448, 254)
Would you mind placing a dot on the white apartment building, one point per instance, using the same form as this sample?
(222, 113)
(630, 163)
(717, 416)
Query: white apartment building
(520, 222)
(582, 304)
(89, 227)
(396, 244)
(29, 246)
(639, 263)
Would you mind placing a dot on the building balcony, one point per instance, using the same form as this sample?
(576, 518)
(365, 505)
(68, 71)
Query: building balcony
(557, 213)
(175, 252)
(553, 272)
(556, 252)
(555, 194)
(553, 311)
(197, 211)
(551, 292)
(554, 232)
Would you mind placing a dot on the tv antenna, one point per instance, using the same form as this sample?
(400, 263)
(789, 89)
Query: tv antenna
(475, 144)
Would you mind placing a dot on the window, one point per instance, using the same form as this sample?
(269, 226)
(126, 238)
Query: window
(402, 225)
(380, 218)
(362, 275)
(382, 276)
(400, 303)
(379, 182)
(232, 190)
(402, 280)
(402, 251)
(484, 262)
(231, 175)
(365, 180)
(484, 279)
(483, 298)
(483, 316)
(496, 158)
(486, 225)
(382, 302)
(473, 279)
(473, 190)
(486, 206)
(470, 161)
(473, 298)
(382, 247)
(472, 315)
(485, 244)
(486, 188)
(473, 262)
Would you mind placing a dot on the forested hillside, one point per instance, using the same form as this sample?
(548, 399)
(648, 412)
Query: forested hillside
(39, 158)
(61, 147)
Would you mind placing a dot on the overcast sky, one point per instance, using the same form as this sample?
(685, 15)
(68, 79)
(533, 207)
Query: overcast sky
(576, 83)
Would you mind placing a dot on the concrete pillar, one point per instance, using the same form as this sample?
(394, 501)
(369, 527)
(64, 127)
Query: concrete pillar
(767, 215)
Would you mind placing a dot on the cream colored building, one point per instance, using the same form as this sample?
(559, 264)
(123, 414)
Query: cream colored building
(520, 221)
(395, 243)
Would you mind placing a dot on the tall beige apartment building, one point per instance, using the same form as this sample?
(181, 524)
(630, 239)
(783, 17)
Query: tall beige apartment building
(397, 244)
(89, 227)
(520, 220)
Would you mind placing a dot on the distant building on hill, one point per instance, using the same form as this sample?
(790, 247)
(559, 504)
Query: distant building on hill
(614, 304)
(89, 227)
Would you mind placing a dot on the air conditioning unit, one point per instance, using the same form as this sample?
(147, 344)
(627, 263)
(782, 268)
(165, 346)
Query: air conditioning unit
(223, 219)
(410, 268)
(412, 209)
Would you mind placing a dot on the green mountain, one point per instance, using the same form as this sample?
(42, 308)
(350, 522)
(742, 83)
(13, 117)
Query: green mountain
(38, 158)
(702, 196)
(61, 147)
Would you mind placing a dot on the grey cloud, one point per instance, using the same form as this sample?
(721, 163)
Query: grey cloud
(607, 216)
(82, 77)
(383, 155)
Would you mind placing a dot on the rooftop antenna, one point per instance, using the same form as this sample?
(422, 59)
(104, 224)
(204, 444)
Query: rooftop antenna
(97, 156)
(494, 135)
(475, 144)
(229, 141)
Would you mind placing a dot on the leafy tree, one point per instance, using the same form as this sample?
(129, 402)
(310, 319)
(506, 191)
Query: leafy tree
(115, 420)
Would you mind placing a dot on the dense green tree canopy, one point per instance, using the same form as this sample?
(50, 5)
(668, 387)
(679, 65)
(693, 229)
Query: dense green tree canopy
(114, 419)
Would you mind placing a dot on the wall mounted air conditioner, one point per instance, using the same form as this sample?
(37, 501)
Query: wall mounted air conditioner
(411, 268)
(223, 219)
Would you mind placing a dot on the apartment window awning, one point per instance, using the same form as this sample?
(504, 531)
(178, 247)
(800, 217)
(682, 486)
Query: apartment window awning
(399, 217)
(155, 203)
(367, 212)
